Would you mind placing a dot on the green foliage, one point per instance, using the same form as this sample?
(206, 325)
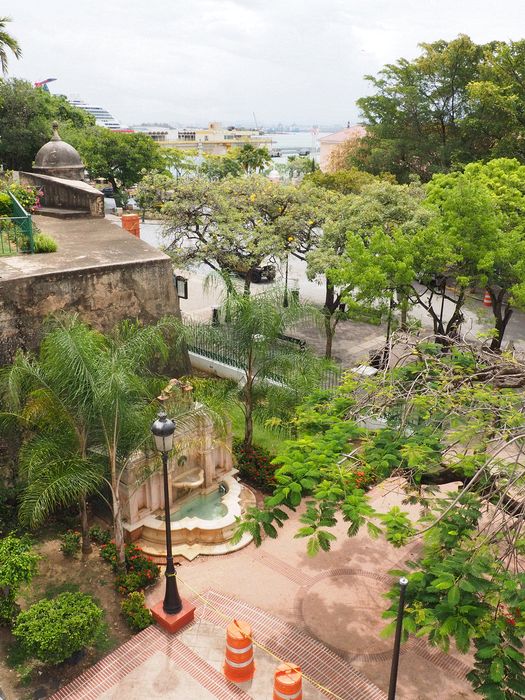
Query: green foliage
(18, 565)
(154, 190)
(99, 535)
(255, 465)
(53, 630)
(139, 572)
(7, 41)
(6, 205)
(135, 612)
(27, 196)
(26, 116)
(9, 502)
(70, 543)
(44, 244)
(349, 181)
(121, 158)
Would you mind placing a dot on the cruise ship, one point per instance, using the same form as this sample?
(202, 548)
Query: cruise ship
(102, 116)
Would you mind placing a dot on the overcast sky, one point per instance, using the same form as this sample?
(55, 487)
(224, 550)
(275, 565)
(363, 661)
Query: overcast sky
(189, 62)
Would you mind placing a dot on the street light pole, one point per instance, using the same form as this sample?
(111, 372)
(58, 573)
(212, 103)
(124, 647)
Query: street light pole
(163, 429)
(285, 298)
(403, 582)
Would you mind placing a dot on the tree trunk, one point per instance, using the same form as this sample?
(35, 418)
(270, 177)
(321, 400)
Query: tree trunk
(118, 531)
(329, 331)
(248, 416)
(84, 527)
(331, 303)
(403, 304)
(502, 314)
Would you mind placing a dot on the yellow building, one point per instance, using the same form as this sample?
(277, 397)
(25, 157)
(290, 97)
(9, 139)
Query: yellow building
(216, 139)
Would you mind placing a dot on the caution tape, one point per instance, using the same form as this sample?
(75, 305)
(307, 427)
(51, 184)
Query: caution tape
(260, 646)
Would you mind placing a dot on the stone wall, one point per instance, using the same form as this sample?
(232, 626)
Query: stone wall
(102, 296)
(66, 194)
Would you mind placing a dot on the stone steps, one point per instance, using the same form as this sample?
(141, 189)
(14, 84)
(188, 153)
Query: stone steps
(63, 213)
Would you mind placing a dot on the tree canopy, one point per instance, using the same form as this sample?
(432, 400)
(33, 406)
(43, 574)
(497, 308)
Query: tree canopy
(26, 117)
(455, 103)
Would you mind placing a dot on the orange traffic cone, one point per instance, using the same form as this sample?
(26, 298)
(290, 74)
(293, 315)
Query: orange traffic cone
(238, 662)
(487, 301)
(288, 682)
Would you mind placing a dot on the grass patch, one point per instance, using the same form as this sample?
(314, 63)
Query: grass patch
(271, 440)
(54, 589)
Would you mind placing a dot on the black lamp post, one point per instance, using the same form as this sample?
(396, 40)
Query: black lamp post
(285, 297)
(163, 429)
(403, 582)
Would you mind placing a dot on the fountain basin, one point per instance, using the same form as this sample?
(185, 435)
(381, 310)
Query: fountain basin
(189, 480)
(192, 530)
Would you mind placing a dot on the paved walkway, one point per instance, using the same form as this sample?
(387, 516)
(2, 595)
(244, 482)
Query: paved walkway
(322, 612)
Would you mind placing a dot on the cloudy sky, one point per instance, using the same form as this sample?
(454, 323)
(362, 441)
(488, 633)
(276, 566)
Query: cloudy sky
(189, 62)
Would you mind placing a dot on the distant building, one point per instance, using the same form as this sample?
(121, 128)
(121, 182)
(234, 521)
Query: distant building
(214, 139)
(330, 142)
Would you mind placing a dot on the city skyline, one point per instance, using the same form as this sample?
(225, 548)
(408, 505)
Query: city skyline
(226, 60)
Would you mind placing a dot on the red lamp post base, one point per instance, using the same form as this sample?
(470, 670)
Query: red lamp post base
(173, 623)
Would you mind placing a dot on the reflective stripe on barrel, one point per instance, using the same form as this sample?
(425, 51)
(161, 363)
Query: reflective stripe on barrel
(238, 662)
(288, 682)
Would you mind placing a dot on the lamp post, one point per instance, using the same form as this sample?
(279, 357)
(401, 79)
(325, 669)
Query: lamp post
(163, 429)
(403, 582)
(285, 297)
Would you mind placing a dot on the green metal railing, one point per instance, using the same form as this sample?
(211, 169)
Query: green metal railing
(218, 344)
(16, 231)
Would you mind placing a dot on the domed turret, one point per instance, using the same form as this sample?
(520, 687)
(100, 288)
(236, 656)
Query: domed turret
(59, 159)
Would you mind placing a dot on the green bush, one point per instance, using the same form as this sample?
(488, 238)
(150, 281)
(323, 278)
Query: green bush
(255, 465)
(6, 205)
(70, 543)
(135, 612)
(44, 244)
(26, 195)
(99, 535)
(140, 571)
(53, 630)
(18, 565)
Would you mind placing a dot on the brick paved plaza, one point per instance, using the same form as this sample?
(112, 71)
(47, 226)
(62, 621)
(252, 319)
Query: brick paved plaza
(322, 613)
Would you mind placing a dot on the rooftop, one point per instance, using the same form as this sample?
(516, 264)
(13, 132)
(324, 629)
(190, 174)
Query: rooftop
(352, 132)
(82, 244)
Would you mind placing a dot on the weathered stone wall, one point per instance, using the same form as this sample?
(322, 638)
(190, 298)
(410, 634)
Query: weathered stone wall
(102, 296)
(66, 194)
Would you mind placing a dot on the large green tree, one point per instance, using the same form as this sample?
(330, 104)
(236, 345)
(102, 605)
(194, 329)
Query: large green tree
(233, 224)
(119, 157)
(450, 417)
(414, 118)
(481, 215)
(26, 117)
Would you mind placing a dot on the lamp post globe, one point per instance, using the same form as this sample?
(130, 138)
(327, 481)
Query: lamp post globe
(163, 429)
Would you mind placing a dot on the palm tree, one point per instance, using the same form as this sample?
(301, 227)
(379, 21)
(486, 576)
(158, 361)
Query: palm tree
(7, 42)
(87, 404)
(50, 397)
(277, 374)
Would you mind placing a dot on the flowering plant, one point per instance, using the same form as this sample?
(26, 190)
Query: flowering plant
(70, 543)
(255, 465)
(140, 571)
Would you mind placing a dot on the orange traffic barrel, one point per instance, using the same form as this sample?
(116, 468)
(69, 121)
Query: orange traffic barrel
(131, 222)
(487, 301)
(288, 682)
(238, 663)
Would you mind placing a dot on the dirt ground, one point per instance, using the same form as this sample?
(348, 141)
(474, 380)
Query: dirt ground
(57, 573)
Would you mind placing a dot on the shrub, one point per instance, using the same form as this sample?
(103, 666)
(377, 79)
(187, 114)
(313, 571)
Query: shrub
(17, 566)
(27, 196)
(6, 205)
(53, 630)
(44, 244)
(255, 465)
(140, 571)
(70, 543)
(99, 535)
(135, 612)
